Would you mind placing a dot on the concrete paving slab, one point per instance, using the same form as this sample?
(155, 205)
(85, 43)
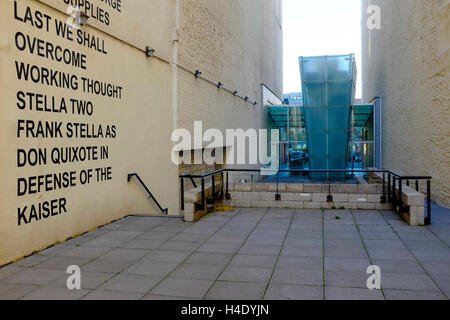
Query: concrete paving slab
(387, 253)
(246, 274)
(125, 254)
(343, 243)
(107, 265)
(254, 261)
(219, 247)
(303, 251)
(434, 255)
(207, 258)
(223, 290)
(350, 252)
(227, 238)
(10, 270)
(246, 249)
(300, 263)
(142, 244)
(347, 279)
(290, 292)
(260, 239)
(151, 268)
(197, 271)
(155, 235)
(412, 295)
(162, 298)
(130, 283)
(398, 266)
(59, 249)
(337, 293)
(437, 268)
(426, 244)
(296, 276)
(382, 235)
(189, 288)
(173, 245)
(346, 264)
(30, 261)
(85, 252)
(384, 244)
(167, 256)
(62, 263)
(89, 279)
(55, 293)
(401, 281)
(34, 276)
(191, 237)
(443, 282)
(10, 291)
(111, 295)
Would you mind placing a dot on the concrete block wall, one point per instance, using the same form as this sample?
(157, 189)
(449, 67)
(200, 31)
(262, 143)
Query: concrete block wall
(312, 196)
(307, 196)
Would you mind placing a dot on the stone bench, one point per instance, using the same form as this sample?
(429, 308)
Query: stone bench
(413, 202)
(193, 198)
(413, 205)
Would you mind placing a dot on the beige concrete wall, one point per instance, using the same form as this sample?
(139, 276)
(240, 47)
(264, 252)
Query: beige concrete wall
(142, 119)
(407, 63)
(237, 42)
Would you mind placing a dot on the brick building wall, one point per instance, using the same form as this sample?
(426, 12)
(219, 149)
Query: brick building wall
(407, 64)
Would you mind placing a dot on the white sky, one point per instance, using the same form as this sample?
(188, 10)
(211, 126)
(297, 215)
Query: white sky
(319, 27)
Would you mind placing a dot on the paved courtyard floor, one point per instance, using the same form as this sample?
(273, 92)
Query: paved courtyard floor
(244, 254)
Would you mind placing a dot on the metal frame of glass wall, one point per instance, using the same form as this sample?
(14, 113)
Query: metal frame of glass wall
(289, 120)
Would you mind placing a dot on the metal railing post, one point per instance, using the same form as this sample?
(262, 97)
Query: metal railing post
(394, 196)
(227, 195)
(203, 194)
(428, 218)
(389, 188)
(277, 195)
(182, 193)
(417, 185)
(329, 197)
(222, 188)
(383, 197)
(214, 188)
(400, 195)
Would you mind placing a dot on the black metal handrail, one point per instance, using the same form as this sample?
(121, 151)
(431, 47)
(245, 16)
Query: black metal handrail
(131, 175)
(394, 180)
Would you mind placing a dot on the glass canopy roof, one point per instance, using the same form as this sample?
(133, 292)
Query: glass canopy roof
(286, 116)
(361, 115)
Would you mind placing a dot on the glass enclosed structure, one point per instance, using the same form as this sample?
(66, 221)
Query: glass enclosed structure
(328, 131)
(328, 94)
